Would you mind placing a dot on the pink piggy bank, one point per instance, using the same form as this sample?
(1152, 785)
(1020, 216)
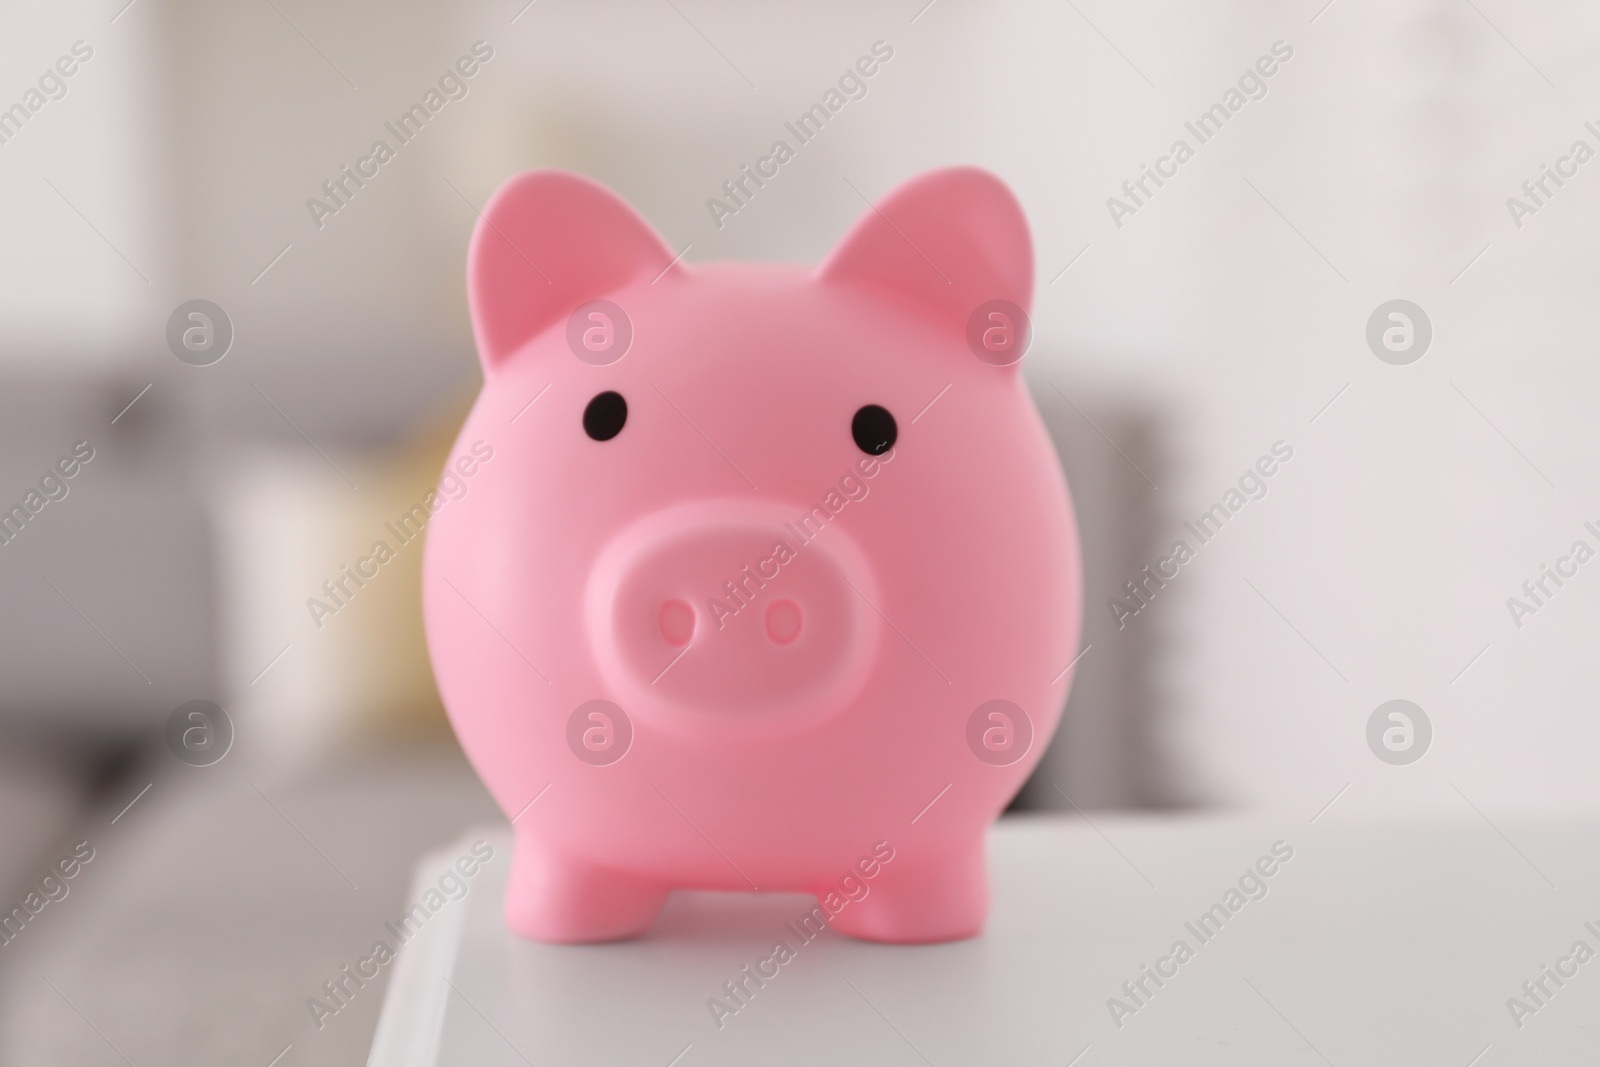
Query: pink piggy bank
(752, 576)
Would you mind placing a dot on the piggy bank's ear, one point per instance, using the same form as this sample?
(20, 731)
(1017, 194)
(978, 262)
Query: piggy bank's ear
(546, 242)
(947, 241)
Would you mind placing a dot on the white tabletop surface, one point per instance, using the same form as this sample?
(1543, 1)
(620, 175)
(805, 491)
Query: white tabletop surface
(1372, 945)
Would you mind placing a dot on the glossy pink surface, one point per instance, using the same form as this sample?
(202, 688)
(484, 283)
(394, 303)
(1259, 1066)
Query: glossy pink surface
(727, 648)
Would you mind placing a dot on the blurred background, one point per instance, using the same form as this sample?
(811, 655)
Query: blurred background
(1174, 345)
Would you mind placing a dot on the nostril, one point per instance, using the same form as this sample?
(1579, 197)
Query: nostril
(677, 622)
(688, 622)
(783, 621)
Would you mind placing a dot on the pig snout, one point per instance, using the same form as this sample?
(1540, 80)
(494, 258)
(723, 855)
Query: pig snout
(727, 610)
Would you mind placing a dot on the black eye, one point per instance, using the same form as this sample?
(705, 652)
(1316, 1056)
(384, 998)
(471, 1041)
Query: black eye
(603, 419)
(874, 430)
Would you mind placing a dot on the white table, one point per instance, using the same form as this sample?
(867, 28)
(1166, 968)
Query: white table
(1372, 945)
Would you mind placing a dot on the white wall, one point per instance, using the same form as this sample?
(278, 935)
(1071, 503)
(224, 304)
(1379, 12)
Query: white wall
(1390, 142)
(1394, 537)
(86, 240)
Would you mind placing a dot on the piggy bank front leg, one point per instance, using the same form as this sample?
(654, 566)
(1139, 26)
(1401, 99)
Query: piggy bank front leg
(559, 898)
(917, 899)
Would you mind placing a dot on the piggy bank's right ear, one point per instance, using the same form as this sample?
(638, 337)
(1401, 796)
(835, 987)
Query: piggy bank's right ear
(947, 241)
(546, 242)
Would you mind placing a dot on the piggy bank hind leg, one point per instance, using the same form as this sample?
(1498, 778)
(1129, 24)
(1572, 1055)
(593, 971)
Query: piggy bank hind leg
(920, 899)
(553, 897)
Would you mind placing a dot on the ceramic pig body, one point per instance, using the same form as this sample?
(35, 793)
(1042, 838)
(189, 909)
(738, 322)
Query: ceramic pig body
(788, 610)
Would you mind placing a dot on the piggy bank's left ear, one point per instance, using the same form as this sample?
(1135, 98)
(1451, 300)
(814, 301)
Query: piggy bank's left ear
(547, 241)
(947, 241)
